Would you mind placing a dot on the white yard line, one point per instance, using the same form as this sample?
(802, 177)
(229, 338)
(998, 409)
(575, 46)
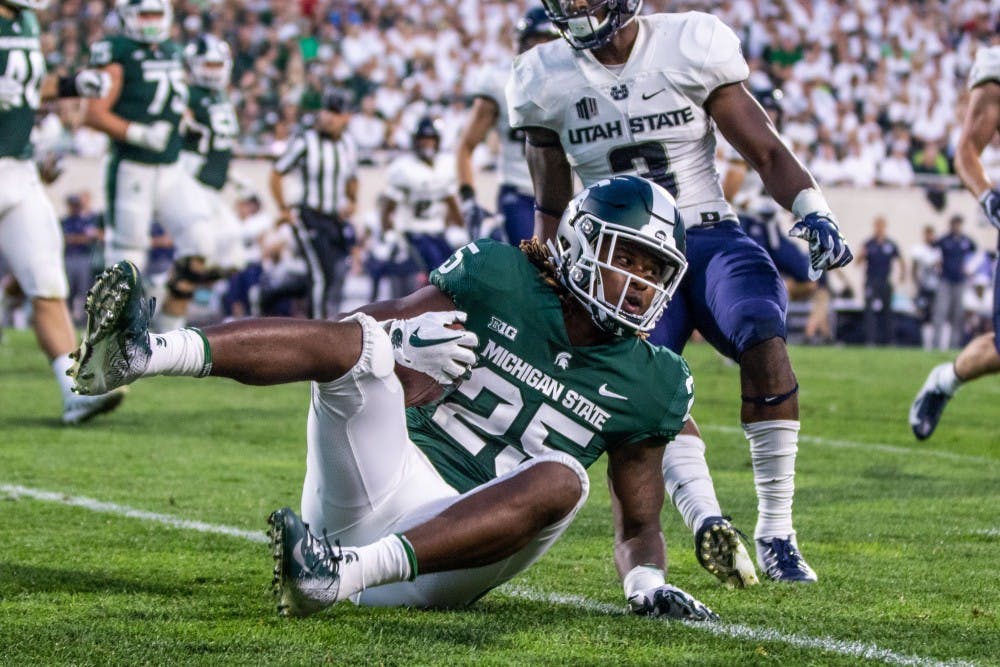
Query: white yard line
(869, 446)
(851, 649)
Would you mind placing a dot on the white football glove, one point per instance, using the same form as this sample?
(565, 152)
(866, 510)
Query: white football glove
(154, 136)
(425, 344)
(92, 83)
(456, 237)
(670, 601)
(11, 93)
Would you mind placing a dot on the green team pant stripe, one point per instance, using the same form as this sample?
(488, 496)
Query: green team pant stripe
(110, 189)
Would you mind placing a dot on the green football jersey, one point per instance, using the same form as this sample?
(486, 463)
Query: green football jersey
(212, 134)
(21, 60)
(154, 88)
(531, 391)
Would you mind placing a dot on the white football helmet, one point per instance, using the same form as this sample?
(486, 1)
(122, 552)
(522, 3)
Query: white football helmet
(594, 25)
(37, 5)
(210, 62)
(146, 21)
(623, 208)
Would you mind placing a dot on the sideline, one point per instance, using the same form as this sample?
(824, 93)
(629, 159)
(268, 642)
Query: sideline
(740, 632)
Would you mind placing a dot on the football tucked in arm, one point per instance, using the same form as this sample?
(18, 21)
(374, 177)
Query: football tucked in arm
(433, 353)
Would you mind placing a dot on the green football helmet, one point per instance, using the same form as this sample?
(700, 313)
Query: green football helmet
(623, 208)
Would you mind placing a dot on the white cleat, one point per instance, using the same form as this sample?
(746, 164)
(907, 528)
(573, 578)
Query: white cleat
(78, 409)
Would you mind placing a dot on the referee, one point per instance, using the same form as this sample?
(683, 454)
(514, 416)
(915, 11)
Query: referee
(326, 160)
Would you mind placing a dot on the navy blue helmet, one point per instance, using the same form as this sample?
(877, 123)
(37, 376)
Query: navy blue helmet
(534, 25)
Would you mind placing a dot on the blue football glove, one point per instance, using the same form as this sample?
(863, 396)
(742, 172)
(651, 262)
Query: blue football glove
(672, 602)
(827, 246)
(990, 203)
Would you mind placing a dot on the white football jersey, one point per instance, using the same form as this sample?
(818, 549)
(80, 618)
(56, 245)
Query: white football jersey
(490, 83)
(986, 66)
(420, 191)
(646, 119)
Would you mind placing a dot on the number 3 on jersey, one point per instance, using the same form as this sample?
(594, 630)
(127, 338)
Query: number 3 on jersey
(648, 154)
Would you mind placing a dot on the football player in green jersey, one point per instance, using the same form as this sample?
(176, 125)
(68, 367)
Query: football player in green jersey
(30, 236)
(144, 180)
(209, 132)
(455, 497)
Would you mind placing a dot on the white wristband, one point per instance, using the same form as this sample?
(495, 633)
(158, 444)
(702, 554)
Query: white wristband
(809, 201)
(135, 134)
(642, 578)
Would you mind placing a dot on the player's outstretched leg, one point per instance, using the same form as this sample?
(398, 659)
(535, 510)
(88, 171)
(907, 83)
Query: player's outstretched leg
(719, 548)
(115, 348)
(928, 406)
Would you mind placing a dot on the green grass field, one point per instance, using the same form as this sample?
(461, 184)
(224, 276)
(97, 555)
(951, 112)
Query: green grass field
(905, 536)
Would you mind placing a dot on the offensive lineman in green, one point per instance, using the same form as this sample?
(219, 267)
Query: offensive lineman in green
(144, 180)
(456, 497)
(208, 136)
(30, 236)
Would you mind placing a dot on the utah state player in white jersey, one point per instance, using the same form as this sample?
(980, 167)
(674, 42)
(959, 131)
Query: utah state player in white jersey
(981, 356)
(515, 201)
(31, 240)
(641, 95)
(420, 198)
(454, 498)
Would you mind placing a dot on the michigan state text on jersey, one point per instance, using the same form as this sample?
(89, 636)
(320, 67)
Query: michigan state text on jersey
(533, 391)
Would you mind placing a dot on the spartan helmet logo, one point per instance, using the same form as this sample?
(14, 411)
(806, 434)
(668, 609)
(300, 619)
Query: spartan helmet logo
(562, 360)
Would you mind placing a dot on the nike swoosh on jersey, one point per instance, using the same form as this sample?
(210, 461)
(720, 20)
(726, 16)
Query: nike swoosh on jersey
(417, 341)
(604, 391)
(652, 95)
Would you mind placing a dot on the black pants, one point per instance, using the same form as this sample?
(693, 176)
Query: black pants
(325, 242)
(879, 319)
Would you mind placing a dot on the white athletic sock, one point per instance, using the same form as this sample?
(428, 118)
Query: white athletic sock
(387, 561)
(164, 322)
(947, 381)
(688, 482)
(181, 352)
(60, 365)
(773, 445)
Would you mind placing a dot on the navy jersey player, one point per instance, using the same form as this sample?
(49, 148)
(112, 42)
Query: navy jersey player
(515, 201)
(455, 497)
(624, 93)
(981, 356)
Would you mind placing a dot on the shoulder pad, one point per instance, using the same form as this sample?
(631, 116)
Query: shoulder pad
(986, 66)
(708, 53)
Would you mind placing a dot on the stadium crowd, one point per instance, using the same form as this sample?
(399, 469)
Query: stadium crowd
(872, 98)
(869, 97)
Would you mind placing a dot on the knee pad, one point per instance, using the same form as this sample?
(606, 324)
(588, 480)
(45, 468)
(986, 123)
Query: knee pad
(571, 463)
(755, 321)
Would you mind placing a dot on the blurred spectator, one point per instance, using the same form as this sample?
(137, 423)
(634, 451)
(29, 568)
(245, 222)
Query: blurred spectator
(925, 271)
(877, 255)
(80, 235)
(368, 130)
(931, 161)
(955, 248)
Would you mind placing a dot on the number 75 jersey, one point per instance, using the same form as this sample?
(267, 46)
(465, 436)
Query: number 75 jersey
(647, 119)
(154, 88)
(531, 390)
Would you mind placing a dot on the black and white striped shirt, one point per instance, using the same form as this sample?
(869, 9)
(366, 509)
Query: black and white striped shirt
(326, 166)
